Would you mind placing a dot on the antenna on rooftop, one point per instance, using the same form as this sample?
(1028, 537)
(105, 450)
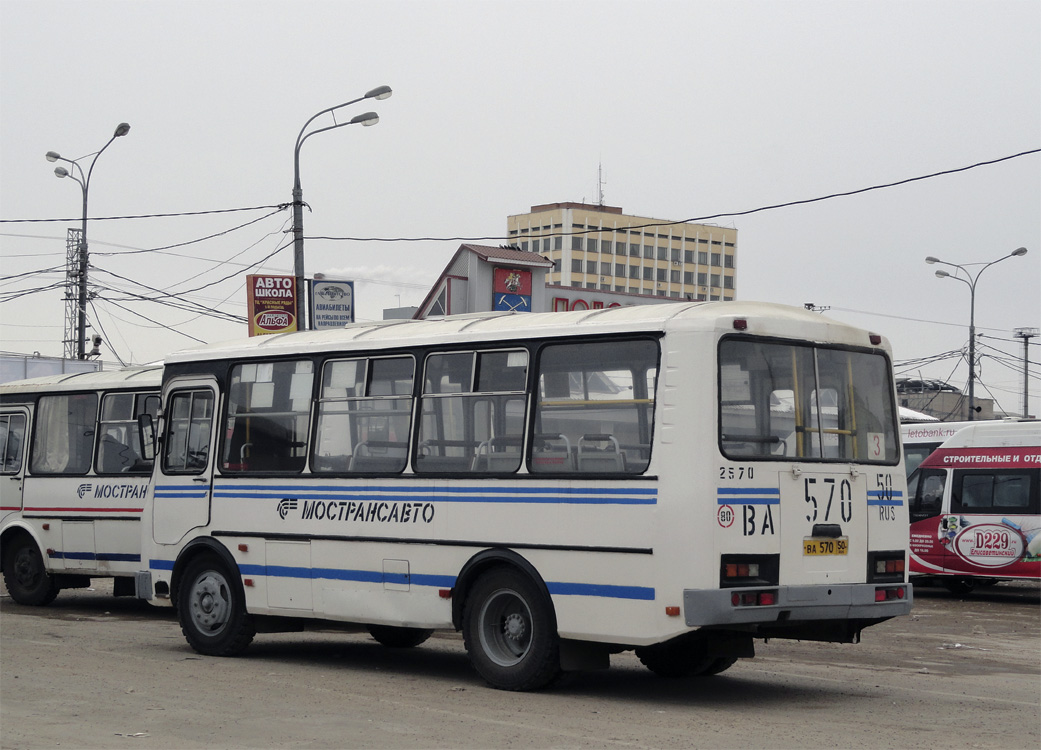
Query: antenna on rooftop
(600, 184)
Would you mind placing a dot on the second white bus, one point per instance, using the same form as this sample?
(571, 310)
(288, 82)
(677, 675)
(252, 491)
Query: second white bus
(73, 480)
(674, 479)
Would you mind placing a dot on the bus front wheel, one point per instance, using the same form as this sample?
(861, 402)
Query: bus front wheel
(510, 633)
(25, 575)
(211, 606)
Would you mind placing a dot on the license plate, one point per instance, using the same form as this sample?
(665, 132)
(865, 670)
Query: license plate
(838, 546)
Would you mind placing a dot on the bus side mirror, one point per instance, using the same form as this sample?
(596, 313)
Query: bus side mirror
(146, 432)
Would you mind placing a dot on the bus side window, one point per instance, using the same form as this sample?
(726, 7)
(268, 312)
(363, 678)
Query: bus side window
(187, 443)
(63, 438)
(995, 491)
(925, 488)
(12, 434)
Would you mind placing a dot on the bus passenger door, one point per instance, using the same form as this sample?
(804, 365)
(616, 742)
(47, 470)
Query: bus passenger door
(12, 458)
(185, 462)
(925, 496)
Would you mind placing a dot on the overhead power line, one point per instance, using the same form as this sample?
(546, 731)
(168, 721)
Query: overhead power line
(728, 214)
(277, 206)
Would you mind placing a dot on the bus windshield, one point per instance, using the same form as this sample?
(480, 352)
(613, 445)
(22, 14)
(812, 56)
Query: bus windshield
(784, 401)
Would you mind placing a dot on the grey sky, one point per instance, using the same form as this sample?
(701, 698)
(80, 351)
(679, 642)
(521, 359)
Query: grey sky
(692, 108)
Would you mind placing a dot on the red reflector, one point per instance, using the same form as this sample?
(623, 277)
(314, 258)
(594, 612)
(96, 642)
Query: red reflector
(880, 595)
(46, 527)
(899, 593)
(875, 339)
(50, 552)
(445, 593)
(672, 611)
(767, 598)
(735, 599)
(247, 582)
(740, 324)
(243, 548)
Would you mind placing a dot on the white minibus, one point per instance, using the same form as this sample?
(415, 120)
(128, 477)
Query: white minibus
(73, 480)
(975, 505)
(675, 479)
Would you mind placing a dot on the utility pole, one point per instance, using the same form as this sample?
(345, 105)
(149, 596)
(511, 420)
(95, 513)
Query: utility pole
(1026, 334)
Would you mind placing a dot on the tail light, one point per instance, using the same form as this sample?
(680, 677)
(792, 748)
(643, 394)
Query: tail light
(748, 570)
(889, 594)
(753, 598)
(886, 566)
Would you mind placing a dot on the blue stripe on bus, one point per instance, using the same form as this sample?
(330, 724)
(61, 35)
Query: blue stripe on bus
(193, 492)
(429, 489)
(526, 495)
(748, 496)
(882, 498)
(599, 590)
(496, 496)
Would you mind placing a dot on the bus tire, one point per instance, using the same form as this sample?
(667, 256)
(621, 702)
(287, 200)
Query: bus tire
(718, 665)
(959, 586)
(397, 637)
(25, 575)
(211, 606)
(510, 632)
(682, 657)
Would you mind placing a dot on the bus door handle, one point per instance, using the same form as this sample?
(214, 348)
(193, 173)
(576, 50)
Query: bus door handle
(200, 479)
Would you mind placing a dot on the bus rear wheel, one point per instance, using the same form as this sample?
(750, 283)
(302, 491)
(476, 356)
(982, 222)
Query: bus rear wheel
(683, 657)
(398, 637)
(510, 632)
(211, 606)
(25, 575)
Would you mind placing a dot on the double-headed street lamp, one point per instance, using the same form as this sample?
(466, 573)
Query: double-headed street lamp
(84, 183)
(367, 119)
(970, 281)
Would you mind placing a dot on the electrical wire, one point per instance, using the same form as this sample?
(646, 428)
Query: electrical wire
(279, 207)
(695, 219)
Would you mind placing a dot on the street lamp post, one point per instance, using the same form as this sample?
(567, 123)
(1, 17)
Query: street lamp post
(367, 119)
(970, 281)
(84, 183)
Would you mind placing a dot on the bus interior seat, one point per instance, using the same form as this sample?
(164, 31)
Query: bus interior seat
(600, 454)
(552, 453)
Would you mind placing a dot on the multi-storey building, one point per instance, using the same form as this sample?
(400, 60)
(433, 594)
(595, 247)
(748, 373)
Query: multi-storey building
(599, 247)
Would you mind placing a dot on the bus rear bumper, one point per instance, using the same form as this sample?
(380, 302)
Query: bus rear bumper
(857, 601)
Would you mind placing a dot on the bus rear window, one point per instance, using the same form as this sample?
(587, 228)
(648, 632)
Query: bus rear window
(787, 401)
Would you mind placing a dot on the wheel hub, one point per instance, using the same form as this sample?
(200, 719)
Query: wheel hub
(209, 606)
(514, 627)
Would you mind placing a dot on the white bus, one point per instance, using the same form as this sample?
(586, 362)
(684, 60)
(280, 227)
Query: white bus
(73, 480)
(674, 479)
(919, 439)
(975, 506)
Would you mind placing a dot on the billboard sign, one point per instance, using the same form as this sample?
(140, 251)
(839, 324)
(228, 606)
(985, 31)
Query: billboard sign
(332, 303)
(271, 303)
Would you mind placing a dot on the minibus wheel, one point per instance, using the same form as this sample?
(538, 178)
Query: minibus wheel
(211, 606)
(25, 575)
(960, 586)
(398, 637)
(510, 632)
